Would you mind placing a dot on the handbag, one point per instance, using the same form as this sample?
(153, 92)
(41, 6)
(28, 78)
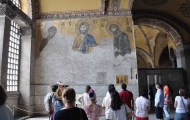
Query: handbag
(128, 115)
(187, 114)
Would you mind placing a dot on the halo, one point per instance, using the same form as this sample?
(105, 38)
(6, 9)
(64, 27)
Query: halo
(91, 26)
(118, 23)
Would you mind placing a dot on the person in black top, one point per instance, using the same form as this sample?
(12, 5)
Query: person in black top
(70, 112)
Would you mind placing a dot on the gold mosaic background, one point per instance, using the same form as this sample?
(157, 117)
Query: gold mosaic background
(98, 27)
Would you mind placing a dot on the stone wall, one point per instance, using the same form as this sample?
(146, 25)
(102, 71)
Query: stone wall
(98, 66)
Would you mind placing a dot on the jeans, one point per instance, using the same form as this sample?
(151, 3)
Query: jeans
(159, 112)
(167, 110)
(180, 116)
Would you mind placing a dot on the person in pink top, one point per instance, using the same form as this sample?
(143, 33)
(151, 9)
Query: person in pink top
(127, 96)
(93, 110)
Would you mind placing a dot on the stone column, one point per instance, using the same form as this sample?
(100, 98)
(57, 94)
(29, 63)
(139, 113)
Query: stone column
(26, 71)
(180, 58)
(187, 60)
(8, 14)
(3, 53)
(173, 59)
(183, 58)
(32, 68)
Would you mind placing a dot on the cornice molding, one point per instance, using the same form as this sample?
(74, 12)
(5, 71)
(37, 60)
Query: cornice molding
(15, 14)
(7, 10)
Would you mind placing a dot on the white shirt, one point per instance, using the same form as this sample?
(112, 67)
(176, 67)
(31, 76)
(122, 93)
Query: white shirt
(46, 101)
(106, 103)
(142, 106)
(180, 107)
(84, 99)
(6, 113)
(121, 113)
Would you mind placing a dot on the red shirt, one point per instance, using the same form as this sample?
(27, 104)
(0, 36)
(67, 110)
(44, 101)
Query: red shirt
(126, 97)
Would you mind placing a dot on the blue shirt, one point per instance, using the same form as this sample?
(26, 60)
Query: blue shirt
(58, 105)
(159, 98)
(6, 113)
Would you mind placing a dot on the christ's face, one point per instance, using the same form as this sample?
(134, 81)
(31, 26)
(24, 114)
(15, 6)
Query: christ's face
(83, 28)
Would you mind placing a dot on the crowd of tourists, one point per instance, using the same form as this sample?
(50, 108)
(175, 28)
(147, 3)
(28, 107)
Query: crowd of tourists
(119, 105)
(60, 104)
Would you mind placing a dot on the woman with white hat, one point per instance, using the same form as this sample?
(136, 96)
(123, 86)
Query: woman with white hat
(57, 99)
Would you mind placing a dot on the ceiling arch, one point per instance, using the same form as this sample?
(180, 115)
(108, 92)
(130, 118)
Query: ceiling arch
(137, 14)
(145, 56)
(173, 32)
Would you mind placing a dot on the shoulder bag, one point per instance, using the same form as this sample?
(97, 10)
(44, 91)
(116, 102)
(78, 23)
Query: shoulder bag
(187, 114)
(128, 115)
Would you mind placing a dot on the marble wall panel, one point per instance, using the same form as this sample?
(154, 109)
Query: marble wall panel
(2, 24)
(42, 89)
(39, 100)
(24, 83)
(58, 59)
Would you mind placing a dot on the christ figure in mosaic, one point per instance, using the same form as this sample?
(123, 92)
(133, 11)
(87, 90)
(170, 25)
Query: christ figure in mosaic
(84, 41)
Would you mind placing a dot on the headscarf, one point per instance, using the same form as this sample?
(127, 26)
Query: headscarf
(166, 90)
(92, 95)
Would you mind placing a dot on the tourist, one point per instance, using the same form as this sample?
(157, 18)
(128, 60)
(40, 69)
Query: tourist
(107, 102)
(142, 106)
(127, 96)
(93, 110)
(70, 112)
(159, 102)
(5, 111)
(182, 105)
(167, 101)
(48, 101)
(57, 103)
(84, 99)
(118, 109)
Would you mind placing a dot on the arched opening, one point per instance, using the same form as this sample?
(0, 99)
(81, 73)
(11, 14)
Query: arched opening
(164, 61)
(156, 35)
